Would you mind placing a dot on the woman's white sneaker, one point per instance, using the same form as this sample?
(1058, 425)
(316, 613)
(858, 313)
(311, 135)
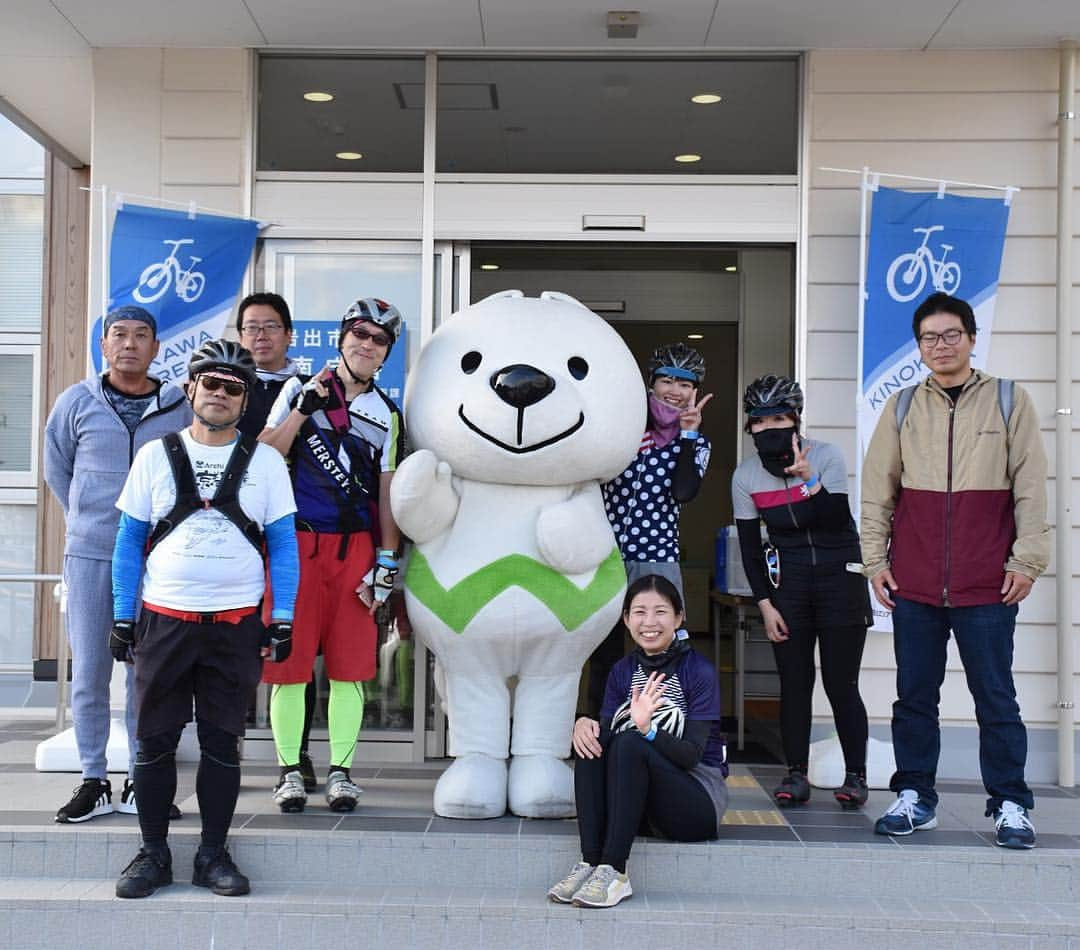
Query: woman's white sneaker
(605, 887)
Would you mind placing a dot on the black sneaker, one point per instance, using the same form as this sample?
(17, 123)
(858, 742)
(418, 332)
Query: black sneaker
(149, 870)
(853, 793)
(92, 798)
(307, 772)
(214, 868)
(793, 789)
(128, 806)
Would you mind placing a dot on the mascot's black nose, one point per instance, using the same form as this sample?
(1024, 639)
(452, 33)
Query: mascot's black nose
(521, 385)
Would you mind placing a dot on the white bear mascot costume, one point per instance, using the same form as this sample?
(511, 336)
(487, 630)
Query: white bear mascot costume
(518, 408)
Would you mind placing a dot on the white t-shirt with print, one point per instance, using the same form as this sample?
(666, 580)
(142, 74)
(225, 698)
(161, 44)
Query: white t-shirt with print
(205, 564)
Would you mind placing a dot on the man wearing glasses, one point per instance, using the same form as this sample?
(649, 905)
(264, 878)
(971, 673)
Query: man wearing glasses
(344, 438)
(199, 510)
(264, 324)
(91, 437)
(954, 534)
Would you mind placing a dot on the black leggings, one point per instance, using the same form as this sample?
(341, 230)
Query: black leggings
(217, 783)
(630, 782)
(821, 605)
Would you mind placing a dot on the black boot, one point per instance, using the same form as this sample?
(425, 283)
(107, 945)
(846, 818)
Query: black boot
(214, 868)
(853, 793)
(793, 789)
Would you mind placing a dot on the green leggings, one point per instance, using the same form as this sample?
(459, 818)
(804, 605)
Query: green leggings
(345, 715)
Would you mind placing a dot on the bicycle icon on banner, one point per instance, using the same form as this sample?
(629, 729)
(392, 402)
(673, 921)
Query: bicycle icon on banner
(156, 279)
(907, 274)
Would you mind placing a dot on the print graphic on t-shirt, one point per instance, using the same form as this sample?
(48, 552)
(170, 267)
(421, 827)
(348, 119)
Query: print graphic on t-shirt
(208, 530)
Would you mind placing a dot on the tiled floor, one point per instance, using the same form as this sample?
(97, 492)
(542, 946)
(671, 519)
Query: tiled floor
(398, 798)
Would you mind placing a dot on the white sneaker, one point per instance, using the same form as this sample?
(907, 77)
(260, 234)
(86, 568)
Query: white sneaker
(341, 793)
(605, 887)
(289, 794)
(564, 891)
(127, 805)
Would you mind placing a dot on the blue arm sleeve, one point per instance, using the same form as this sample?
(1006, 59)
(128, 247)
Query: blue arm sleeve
(127, 565)
(284, 565)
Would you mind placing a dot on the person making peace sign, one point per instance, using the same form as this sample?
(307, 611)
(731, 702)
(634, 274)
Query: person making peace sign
(643, 502)
(806, 581)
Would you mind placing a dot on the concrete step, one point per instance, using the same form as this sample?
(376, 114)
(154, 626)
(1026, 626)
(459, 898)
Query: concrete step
(529, 858)
(57, 914)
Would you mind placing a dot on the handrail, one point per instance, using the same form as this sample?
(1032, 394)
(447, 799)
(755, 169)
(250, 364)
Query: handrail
(61, 641)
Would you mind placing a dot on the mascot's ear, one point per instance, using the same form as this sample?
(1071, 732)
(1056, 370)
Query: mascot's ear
(502, 295)
(564, 298)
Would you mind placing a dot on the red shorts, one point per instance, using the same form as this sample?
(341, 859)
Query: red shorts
(328, 613)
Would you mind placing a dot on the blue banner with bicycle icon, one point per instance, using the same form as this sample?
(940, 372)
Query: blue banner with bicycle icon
(921, 243)
(185, 268)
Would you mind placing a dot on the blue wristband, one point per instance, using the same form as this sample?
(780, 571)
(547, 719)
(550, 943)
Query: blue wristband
(815, 479)
(387, 559)
(650, 735)
(690, 434)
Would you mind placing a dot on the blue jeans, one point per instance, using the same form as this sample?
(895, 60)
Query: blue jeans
(984, 636)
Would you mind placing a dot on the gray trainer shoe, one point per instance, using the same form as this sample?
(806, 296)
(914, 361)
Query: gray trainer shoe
(604, 888)
(341, 793)
(289, 794)
(564, 891)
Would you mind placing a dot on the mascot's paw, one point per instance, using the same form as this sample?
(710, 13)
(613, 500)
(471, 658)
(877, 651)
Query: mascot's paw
(541, 786)
(570, 536)
(422, 496)
(473, 787)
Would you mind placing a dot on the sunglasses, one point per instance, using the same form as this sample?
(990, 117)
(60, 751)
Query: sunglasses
(362, 334)
(772, 565)
(212, 384)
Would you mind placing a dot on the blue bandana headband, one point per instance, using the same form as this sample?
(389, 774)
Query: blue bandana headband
(675, 372)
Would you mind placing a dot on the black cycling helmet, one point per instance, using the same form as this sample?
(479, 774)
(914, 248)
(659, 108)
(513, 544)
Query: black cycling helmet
(678, 361)
(226, 355)
(373, 310)
(773, 395)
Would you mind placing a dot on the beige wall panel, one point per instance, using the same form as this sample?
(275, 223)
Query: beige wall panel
(226, 198)
(929, 117)
(934, 71)
(832, 355)
(532, 212)
(833, 401)
(835, 211)
(1023, 355)
(206, 115)
(834, 260)
(353, 209)
(201, 162)
(205, 69)
(1023, 164)
(832, 306)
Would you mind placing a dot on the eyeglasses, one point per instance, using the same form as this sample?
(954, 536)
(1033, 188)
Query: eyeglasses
(930, 340)
(362, 334)
(772, 565)
(212, 384)
(254, 329)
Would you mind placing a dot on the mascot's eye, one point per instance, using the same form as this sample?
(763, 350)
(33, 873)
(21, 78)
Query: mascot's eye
(470, 362)
(579, 369)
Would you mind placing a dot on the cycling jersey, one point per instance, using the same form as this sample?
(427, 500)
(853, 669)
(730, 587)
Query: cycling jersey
(336, 475)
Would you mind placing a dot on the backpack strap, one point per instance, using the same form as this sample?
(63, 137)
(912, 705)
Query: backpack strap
(1006, 400)
(903, 404)
(226, 498)
(187, 493)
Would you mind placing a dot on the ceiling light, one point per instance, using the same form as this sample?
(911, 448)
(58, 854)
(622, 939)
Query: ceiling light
(731, 268)
(489, 267)
(695, 336)
(688, 157)
(706, 98)
(349, 156)
(318, 97)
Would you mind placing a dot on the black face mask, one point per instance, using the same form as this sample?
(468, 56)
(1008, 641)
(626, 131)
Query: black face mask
(774, 449)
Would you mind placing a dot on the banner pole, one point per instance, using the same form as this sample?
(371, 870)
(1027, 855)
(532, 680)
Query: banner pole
(104, 249)
(864, 189)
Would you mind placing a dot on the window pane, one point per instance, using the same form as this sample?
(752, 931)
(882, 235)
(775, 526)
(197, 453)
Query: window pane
(618, 116)
(16, 416)
(17, 526)
(22, 234)
(377, 113)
